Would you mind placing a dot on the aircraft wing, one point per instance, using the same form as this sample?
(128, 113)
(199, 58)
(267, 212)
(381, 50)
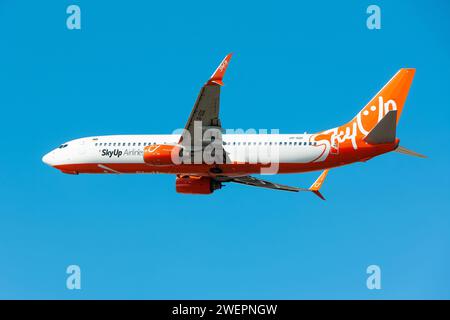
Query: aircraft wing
(255, 182)
(205, 113)
(252, 181)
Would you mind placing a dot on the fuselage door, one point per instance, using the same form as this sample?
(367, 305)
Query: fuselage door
(334, 147)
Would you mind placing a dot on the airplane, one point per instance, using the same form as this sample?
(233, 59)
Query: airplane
(204, 157)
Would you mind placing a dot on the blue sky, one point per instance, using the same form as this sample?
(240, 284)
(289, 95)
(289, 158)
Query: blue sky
(137, 67)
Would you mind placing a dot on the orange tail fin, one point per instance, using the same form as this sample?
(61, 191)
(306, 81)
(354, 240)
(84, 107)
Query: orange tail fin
(391, 97)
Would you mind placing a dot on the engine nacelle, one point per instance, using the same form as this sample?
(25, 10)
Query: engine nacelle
(161, 154)
(196, 185)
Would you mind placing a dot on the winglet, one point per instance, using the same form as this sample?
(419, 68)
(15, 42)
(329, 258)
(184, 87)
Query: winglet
(217, 76)
(315, 187)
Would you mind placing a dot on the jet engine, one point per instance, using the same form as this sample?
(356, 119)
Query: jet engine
(162, 154)
(196, 185)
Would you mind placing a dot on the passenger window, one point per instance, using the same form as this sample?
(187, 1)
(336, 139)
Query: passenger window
(315, 143)
(304, 143)
(290, 143)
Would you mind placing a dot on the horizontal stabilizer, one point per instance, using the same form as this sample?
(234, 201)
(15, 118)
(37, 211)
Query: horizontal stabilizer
(409, 152)
(384, 131)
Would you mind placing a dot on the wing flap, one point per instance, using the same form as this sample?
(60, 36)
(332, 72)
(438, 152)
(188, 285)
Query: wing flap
(255, 182)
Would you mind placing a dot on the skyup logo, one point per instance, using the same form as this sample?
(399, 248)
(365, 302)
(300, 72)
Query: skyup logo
(111, 153)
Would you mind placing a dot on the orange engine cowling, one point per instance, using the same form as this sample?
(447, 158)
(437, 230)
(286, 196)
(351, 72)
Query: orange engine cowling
(196, 185)
(161, 154)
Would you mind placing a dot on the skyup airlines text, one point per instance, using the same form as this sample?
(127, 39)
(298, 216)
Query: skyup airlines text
(118, 153)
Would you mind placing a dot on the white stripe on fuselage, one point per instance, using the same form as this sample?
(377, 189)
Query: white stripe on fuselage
(263, 148)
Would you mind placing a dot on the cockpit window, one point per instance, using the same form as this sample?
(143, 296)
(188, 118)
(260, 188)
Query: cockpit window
(62, 146)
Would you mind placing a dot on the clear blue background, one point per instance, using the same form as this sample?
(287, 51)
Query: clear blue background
(137, 66)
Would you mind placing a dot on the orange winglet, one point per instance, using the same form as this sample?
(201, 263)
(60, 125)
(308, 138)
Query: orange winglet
(217, 76)
(315, 187)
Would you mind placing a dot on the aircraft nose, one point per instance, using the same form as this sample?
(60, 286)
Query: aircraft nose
(47, 159)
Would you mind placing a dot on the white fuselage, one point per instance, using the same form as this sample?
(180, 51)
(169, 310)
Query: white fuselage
(241, 148)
